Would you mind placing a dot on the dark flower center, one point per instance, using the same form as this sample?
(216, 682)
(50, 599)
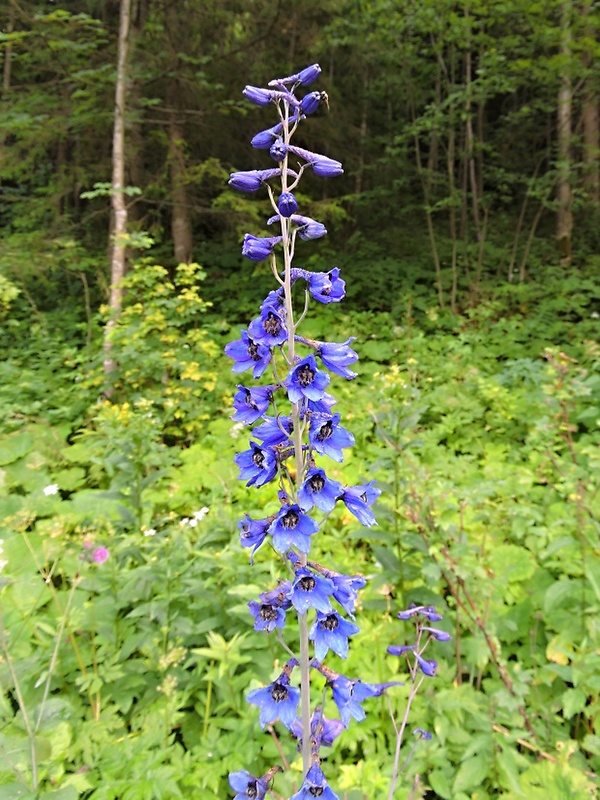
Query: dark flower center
(252, 789)
(307, 583)
(279, 693)
(291, 519)
(272, 324)
(258, 458)
(267, 613)
(305, 375)
(316, 791)
(325, 431)
(330, 623)
(316, 483)
(248, 399)
(253, 350)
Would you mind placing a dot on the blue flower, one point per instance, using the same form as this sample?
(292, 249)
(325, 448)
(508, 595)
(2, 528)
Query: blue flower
(247, 786)
(321, 165)
(428, 668)
(268, 616)
(322, 406)
(358, 499)
(310, 591)
(310, 102)
(264, 139)
(441, 636)
(292, 528)
(306, 381)
(274, 430)
(261, 97)
(327, 168)
(315, 785)
(251, 404)
(318, 490)
(258, 248)
(323, 731)
(305, 76)
(278, 150)
(253, 532)
(269, 613)
(336, 356)
(258, 465)
(251, 180)
(331, 632)
(287, 204)
(276, 701)
(248, 354)
(309, 228)
(345, 589)
(328, 437)
(403, 650)
(327, 287)
(422, 734)
(349, 694)
(426, 611)
(309, 74)
(269, 328)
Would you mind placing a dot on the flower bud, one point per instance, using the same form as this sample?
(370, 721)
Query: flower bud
(278, 150)
(287, 204)
(252, 179)
(327, 168)
(309, 74)
(310, 102)
(264, 139)
(261, 97)
(256, 248)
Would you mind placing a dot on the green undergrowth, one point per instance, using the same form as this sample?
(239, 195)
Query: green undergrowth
(126, 679)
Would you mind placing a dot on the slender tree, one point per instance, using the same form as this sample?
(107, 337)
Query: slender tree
(564, 220)
(119, 207)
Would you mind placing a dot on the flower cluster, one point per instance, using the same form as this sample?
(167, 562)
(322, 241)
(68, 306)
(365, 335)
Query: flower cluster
(295, 427)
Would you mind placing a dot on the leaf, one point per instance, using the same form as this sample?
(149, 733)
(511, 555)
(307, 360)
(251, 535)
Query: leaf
(14, 447)
(16, 791)
(573, 701)
(438, 781)
(471, 773)
(67, 793)
(512, 563)
(387, 559)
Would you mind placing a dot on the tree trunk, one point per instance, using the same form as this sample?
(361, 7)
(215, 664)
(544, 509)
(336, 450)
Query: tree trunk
(564, 219)
(7, 68)
(591, 116)
(181, 225)
(119, 208)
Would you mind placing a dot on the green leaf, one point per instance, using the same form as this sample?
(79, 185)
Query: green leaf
(471, 773)
(16, 791)
(14, 447)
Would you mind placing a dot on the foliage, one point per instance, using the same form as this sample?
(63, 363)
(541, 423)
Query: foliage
(486, 446)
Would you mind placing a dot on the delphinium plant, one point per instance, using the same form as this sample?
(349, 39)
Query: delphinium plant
(295, 427)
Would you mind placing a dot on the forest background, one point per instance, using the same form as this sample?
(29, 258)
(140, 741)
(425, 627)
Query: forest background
(467, 228)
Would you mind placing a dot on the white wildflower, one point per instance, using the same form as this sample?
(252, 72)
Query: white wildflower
(201, 514)
(51, 489)
(2, 562)
(150, 532)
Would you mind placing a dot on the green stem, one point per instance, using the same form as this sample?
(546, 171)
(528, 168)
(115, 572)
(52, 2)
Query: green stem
(20, 700)
(298, 455)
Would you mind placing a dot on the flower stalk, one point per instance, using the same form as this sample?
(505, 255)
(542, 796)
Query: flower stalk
(286, 449)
